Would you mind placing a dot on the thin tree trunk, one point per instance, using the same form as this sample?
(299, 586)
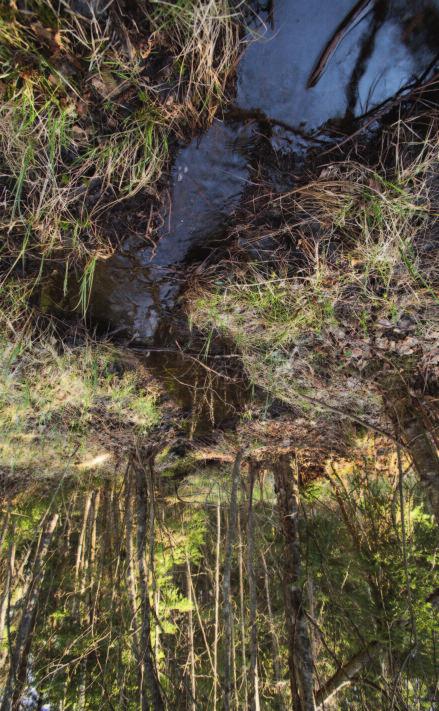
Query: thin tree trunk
(242, 613)
(300, 660)
(193, 687)
(82, 685)
(254, 704)
(346, 673)
(92, 571)
(227, 600)
(235, 676)
(274, 641)
(150, 684)
(81, 542)
(7, 589)
(5, 526)
(217, 599)
(131, 582)
(17, 670)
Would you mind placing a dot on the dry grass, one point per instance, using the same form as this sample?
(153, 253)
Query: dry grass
(86, 119)
(360, 299)
(207, 37)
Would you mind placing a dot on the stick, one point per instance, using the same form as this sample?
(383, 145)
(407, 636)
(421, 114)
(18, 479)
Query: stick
(341, 31)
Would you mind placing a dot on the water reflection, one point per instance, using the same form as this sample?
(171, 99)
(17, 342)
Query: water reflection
(387, 47)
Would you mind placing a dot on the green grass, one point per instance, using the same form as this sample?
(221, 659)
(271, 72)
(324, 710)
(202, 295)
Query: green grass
(64, 410)
(82, 109)
(78, 106)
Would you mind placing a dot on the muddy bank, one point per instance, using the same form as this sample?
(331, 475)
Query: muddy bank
(384, 49)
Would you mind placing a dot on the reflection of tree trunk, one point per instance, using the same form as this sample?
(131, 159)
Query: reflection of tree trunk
(131, 579)
(274, 641)
(7, 591)
(150, 684)
(299, 648)
(82, 684)
(217, 591)
(346, 673)
(82, 537)
(410, 422)
(192, 704)
(5, 526)
(17, 670)
(242, 613)
(227, 601)
(253, 676)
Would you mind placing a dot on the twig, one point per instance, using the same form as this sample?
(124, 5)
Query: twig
(337, 37)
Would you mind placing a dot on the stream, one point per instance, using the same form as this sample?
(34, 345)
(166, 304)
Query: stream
(387, 49)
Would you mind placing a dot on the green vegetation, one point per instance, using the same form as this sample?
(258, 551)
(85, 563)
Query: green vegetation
(368, 576)
(83, 114)
(362, 291)
(61, 410)
(85, 123)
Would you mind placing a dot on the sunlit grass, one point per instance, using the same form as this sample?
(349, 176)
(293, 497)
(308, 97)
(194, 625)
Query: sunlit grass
(66, 124)
(58, 409)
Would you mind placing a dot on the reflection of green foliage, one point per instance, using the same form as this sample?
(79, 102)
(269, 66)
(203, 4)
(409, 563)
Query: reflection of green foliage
(368, 584)
(355, 565)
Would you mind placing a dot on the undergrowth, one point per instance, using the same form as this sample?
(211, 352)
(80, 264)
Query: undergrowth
(63, 412)
(357, 297)
(91, 101)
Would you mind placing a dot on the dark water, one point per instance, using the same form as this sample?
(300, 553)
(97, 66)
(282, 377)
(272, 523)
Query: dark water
(137, 287)
(388, 47)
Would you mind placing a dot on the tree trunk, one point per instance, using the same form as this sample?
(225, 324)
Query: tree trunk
(217, 594)
(253, 676)
(131, 579)
(193, 686)
(150, 684)
(17, 670)
(300, 662)
(242, 614)
(274, 641)
(7, 591)
(227, 601)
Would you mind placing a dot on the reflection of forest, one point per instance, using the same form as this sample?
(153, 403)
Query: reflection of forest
(254, 585)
